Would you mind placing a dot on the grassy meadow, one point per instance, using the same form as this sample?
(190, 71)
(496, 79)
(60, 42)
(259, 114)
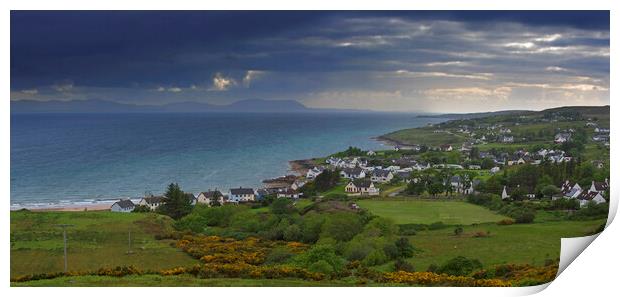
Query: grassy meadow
(428, 212)
(98, 239)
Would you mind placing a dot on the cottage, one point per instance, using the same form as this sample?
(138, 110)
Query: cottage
(494, 170)
(507, 139)
(601, 130)
(288, 193)
(456, 182)
(152, 202)
(353, 173)
(298, 184)
(467, 146)
(474, 167)
(314, 172)
(404, 176)
(562, 137)
(123, 205)
(210, 197)
(381, 176)
(600, 187)
(241, 195)
(362, 187)
(371, 153)
(585, 198)
(570, 191)
(446, 147)
(193, 200)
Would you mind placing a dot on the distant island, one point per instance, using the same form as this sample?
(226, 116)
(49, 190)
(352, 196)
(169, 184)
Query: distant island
(105, 106)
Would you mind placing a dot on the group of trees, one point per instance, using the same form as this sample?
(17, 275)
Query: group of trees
(321, 183)
(435, 182)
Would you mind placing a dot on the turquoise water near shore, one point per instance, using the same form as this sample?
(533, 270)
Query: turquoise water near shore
(61, 159)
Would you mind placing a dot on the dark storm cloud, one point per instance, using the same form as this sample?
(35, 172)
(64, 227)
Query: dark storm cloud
(341, 59)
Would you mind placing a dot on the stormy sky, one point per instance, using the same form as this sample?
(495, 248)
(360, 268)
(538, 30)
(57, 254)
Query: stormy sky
(388, 61)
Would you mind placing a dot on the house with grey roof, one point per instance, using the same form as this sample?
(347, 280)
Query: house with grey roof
(123, 205)
(241, 195)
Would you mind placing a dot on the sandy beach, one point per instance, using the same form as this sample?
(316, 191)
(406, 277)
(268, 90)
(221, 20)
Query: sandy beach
(93, 207)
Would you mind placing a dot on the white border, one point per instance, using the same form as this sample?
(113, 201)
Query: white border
(592, 273)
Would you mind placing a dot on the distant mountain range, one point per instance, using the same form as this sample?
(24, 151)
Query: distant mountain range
(103, 106)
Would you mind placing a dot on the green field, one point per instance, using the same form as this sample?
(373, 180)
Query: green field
(519, 243)
(427, 212)
(98, 239)
(425, 136)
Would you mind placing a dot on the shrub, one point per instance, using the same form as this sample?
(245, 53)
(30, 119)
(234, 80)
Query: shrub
(506, 222)
(402, 265)
(525, 216)
(458, 231)
(404, 247)
(432, 268)
(460, 266)
(437, 226)
(322, 266)
(320, 252)
(279, 255)
(376, 257)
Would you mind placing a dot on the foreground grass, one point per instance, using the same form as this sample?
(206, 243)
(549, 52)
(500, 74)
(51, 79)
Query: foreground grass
(427, 212)
(97, 239)
(173, 281)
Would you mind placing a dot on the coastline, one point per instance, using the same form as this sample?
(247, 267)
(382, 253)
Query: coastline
(297, 168)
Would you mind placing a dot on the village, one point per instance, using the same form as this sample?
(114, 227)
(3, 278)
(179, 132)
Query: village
(462, 168)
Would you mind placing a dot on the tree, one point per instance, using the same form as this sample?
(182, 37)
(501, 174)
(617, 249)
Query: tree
(404, 247)
(414, 188)
(175, 203)
(326, 180)
(281, 206)
(550, 190)
(435, 188)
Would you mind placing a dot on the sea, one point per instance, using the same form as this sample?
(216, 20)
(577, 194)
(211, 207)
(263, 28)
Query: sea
(62, 160)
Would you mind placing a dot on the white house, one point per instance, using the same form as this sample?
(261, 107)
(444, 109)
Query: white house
(152, 202)
(584, 198)
(288, 193)
(381, 176)
(313, 173)
(297, 184)
(362, 187)
(353, 173)
(474, 167)
(601, 130)
(562, 137)
(210, 197)
(599, 186)
(494, 170)
(371, 153)
(123, 205)
(241, 195)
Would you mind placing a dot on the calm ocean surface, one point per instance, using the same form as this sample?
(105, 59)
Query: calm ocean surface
(60, 159)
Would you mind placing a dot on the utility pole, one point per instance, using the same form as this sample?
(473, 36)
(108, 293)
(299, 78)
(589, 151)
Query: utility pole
(129, 251)
(64, 238)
